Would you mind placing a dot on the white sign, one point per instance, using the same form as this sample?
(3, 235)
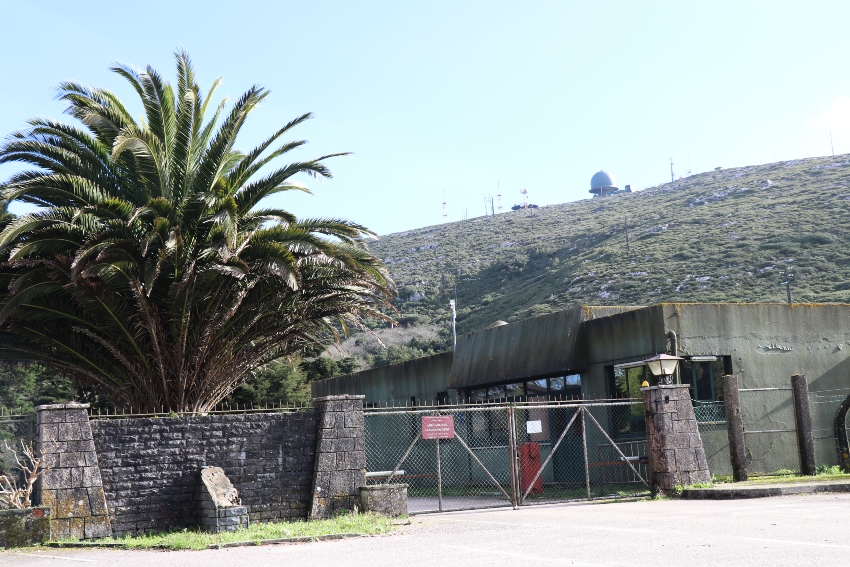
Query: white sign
(533, 427)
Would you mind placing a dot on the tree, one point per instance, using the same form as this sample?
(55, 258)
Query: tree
(151, 273)
(280, 382)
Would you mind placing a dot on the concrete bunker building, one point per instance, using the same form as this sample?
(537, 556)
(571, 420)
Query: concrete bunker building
(592, 352)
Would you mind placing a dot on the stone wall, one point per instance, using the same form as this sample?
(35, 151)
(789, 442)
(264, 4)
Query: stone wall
(151, 466)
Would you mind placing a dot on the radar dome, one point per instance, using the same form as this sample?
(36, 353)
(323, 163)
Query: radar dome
(602, 179)
(602, 184)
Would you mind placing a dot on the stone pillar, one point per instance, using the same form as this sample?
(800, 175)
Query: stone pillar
(676, 454)
(71, 486)
(340, 468)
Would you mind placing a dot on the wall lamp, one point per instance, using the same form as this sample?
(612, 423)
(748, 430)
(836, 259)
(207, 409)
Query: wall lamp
(663, 367)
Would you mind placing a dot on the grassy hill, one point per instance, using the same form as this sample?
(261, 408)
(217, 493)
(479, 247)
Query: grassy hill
(727, 235)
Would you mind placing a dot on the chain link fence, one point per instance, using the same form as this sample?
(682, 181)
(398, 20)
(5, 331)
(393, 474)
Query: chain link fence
(711, 422)
(471, 469)
(823, 406)
(770, 430)
(509, 453)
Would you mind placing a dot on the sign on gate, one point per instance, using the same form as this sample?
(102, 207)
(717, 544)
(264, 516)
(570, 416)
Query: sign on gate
(438, 427)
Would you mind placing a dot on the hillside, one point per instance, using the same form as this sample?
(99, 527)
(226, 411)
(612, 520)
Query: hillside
(727, 235)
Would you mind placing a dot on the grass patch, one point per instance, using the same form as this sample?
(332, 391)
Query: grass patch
(786, 476)
(362, 524)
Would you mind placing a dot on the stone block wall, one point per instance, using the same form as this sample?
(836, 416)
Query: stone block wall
(676, 453)
(71, 486)
(340, 455)
(151, 466)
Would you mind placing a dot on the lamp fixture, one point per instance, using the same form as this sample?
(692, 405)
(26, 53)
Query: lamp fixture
(663, 366)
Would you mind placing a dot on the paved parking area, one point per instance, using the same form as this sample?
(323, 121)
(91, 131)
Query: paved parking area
(788, 530)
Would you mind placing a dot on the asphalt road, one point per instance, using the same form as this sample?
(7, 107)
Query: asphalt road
(790, 530)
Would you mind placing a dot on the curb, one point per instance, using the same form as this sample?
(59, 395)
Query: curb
(247, 543)
(757, 492)
(82, 544)
(300, 539)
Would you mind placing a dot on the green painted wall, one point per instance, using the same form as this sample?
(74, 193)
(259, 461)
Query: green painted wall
(537, 347)
(421, 378)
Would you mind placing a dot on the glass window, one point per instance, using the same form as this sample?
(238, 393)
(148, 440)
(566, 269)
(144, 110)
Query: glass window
(535, 387)
(705, 378)
(495, 393)
(478, 396)
(557, 384)
(627, 381)
(515, 390)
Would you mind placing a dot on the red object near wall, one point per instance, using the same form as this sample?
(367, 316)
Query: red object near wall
(529, 464)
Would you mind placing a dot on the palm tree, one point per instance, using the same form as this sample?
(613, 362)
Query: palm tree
(151, 272)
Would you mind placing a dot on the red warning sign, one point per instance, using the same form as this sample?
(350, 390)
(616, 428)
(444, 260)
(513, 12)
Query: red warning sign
(438, 426)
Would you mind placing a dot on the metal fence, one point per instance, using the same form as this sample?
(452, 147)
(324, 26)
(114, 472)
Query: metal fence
(508, 454)
(770, 430)
(15, 426)
(823, 405)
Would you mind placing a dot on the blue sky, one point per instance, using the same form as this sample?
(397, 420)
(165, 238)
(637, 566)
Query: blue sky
(471, 98)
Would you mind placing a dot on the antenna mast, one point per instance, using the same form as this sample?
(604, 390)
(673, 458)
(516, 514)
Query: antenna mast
(445, 209)
(671, 170)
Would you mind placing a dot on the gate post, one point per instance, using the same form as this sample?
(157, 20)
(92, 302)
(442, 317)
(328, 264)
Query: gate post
(340, 466)
(803, 417)
(735, 428)
(676, 453)
(514, 455)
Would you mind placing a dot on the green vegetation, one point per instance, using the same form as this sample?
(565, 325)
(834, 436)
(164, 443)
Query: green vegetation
(22, 387)
(824, 472)
(362, 524)
(721, 236)
(152, 274)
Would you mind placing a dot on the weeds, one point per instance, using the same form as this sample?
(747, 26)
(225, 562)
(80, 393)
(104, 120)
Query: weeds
(362, 524)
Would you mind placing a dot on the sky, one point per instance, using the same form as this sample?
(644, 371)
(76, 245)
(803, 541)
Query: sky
(459, 100)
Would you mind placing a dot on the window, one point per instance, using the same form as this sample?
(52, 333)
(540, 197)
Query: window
(626, 382)
(536, 388)
(515, 390)
(704, 377)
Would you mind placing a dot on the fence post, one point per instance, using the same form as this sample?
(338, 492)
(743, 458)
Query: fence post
(803, 417)
(512, 449)
(735, 428)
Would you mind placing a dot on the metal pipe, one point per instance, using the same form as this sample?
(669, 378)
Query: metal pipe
(674, 346)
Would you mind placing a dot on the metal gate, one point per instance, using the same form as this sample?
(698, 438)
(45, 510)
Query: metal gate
(508, 454)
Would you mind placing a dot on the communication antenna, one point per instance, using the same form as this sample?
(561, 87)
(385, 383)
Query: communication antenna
(671, 169)
(524, 198)
(787, 284)
(832, 148)
(445, 209)
(499, 196)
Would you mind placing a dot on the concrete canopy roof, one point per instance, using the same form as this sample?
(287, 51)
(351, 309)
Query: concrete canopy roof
(537, 347)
